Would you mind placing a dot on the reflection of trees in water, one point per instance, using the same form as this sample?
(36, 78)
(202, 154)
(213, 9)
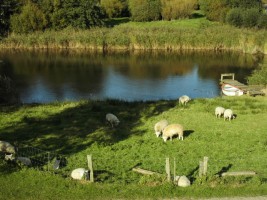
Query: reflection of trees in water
(240, 64)
(86, 71)
(57, 69)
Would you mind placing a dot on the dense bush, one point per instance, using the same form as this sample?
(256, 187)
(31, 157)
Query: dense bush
(251, 17)
(145, 10)
(262, 23)
(248, 18)
(29, 20)
(112, 8)
(215, 10)
(175, 9)
(259, 76)
(234, 17)
(245, 4)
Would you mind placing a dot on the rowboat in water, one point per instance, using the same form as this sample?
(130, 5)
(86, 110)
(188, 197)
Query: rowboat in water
(230, 90)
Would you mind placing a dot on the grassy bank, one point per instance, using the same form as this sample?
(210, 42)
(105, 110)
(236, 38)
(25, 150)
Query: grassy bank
(188, 34)
(76, 129)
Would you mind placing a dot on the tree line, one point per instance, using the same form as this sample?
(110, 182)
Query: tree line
(25, 16)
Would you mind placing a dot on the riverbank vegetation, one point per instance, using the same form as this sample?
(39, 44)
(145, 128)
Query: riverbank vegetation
(76, 129)
(194, 34)
(168, 25)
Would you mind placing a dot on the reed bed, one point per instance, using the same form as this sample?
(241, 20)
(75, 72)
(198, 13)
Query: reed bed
(190, 34)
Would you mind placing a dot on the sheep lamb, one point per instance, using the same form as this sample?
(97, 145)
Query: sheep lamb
(184, 100)
(79, 174)
(219, 111)
(228, 114)
(112, 120)
(159, 126)
(7, 147)
(173, 130)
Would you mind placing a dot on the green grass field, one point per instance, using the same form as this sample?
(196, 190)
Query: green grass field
(76, 129)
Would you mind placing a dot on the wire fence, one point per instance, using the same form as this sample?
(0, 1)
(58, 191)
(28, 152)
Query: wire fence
(125, 170)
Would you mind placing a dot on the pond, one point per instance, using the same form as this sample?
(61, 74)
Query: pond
(47, 76)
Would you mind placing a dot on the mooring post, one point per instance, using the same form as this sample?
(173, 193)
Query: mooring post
(168, 169)
(90, 167)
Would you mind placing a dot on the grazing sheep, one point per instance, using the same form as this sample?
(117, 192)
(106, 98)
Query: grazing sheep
(112, 119)
(172, 130)
(23, 160)
(228, 114)
(159, 126)
(7, 147)
(79, 174)
(219, 111)
(184, 99)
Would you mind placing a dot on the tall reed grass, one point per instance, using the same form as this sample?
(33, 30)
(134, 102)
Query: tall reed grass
(188, 34)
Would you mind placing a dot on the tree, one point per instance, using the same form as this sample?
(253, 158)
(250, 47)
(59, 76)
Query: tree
(245, 3)
(175, 9)
(215, 10)
(29, 20)
(7, 8)
(259, 76)
(75, 13)
(113, 8)
(145, 10)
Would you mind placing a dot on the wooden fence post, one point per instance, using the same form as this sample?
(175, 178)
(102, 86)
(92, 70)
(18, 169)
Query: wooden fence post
(205, 165)
(90, 167)
(168, 169)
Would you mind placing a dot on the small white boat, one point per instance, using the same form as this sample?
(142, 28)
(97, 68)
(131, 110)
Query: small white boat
(230, 90)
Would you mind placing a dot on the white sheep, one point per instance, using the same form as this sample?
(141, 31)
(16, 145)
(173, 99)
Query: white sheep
(7, 147)
(79, 174)
(112, 119)
(228, 114)
(172, 130)
(184, 99)
(159, 126)
(219, 111)
(24, 160)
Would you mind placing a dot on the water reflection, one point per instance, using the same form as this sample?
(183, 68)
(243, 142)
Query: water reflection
(45, 76)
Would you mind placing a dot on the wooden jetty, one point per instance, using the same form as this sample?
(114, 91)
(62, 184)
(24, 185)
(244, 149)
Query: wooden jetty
(250, 90)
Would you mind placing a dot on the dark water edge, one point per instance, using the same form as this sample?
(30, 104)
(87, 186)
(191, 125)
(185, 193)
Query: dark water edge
(67, 75)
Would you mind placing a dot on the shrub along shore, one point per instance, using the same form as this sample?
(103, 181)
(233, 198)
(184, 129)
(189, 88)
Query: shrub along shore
(188, 34)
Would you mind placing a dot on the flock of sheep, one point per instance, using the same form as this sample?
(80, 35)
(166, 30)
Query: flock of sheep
(168, 131)
(161, 128)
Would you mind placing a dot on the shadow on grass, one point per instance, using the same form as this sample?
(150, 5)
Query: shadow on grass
(224, 169)
(76, 128)
(116, 21)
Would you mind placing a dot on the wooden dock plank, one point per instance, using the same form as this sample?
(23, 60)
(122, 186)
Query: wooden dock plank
(249, 90)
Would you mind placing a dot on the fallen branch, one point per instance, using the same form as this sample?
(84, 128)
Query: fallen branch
(242, 173)
(144, 171)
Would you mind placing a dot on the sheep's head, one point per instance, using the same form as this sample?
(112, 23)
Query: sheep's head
(164, 138)
(158, 133)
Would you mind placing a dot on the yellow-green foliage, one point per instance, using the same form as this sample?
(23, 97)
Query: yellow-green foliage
(193, 34)
(112, 8)
(176, 9)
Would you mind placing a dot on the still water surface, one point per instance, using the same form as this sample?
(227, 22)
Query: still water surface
(47, 76)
